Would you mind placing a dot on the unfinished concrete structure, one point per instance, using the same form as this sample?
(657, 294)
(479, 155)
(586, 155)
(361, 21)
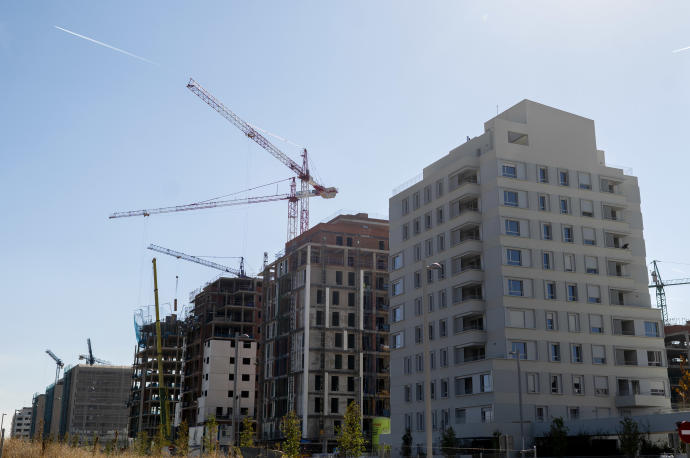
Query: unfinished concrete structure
(144, 410)
(677, 340)
(326, 329)
(38, 407)
(224, 310)
(21, 423)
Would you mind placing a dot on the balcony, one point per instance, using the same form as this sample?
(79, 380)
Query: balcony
(612, 212)
(618, 269)
(466, 262)
(620, 297)
(641, 400)
(464, 205)
(615, 240)
(610, 186)
(468, 292)
(624, 327)
(626, 358)
(462, 178)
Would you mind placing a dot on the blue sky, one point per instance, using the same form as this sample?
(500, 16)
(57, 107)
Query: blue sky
(375, 90)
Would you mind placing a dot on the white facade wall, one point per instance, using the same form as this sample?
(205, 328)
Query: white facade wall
(481, 212)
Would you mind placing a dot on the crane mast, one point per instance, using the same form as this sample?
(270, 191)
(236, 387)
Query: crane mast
(58, 365)
(179, 255)
(162, 391)
(660, 286)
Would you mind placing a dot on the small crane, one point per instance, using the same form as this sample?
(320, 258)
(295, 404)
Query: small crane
(302, 171)
(237, 272)
(58, 363)
(660, 284)
(90, 359)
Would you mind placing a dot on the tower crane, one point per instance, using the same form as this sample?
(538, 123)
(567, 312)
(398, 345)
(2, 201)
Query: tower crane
(237, 272)
(58, 365)
(660, 284)
(302, 171)
(90, 359)
(217, 203)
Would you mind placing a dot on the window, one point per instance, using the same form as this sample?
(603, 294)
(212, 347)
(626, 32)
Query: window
(418, 335)
(543, 201)
(509, 170)
(593, 294)
(564, 205)
(510, 198)
(517, 319)
(397, 287)
(419, 362)
(407, 365)
(428, 247)
(244, 394)
(519, 348)
(338, 362)
(432, 389)
(512, 227)
(443, 357)
(551, 321)
(556, 387)
(572, 292)
(576, 353)
(405, 231)
(348, 241)
(584, 180)
(398, 314)
(463, 385)
(442, 328)
(651, 329)
(351, 279)
(427, 194)
(427, 220)
(335, 383)
(563, 178)
(515, 287)
(488, 412)
(598, 354)
(568, 234)
(417, 249)
(547, 260)
(589, 236)
(532, 382)
(350, 299)
(408, 393)
(405, 206)
(415, 200)
(420, 421)
(555, 352)
(550, 290)
(587, 208)
(542, 174)
(418, 306)
(573, 412)
(246, 361)
(541, 413)
(573, 322)
(417, 279)
(601, 386)
(485, 383)
(419, 391)
(514, 257)
(431, 332)
(439, 188)
(569, 262)
(596, 324)
(460, 416)
(654, 358)
(442, 299)
(334, 405)
(336, 298)
(518, 138)
(546, 232)
(335, 319)
(339, 339)
(444, 388)
(416, 226)
(591, 265)
(397, 340)
(319, 318)
(440, 242)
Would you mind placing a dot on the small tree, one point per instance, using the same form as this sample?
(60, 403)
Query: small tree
(211, 437)
(448, 442)
(182, 441)
(350, 439)
(557, 437)
(289, 426)
(142, 443)
(406, 449)
(247, 434)
(683, 388)
(629, 437)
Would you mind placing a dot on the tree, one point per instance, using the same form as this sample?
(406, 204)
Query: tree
(211, 437)
(182, 441)
(630, 437)
(448, 442)
(557, 437)
(247, 434)
(406, 449)
(289, 426)
(683, 388)
(350, 439)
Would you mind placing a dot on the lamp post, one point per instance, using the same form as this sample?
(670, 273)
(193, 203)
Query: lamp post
(517, 355)
(427, 362)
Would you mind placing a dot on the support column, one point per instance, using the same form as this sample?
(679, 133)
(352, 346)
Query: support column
(306, 326)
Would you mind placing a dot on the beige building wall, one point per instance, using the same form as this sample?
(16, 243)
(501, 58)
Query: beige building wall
(543, 252)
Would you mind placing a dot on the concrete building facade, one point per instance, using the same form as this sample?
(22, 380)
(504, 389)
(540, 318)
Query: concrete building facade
(326, 329)
(21, 423)
(522, 241)
(677, 340)
(225, 310)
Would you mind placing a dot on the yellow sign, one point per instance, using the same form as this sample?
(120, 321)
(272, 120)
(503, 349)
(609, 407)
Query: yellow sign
(380, 425)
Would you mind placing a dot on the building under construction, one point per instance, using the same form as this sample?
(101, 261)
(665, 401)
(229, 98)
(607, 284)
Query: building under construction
(225, 311)
(144, 407)
(325, 338)
(677, 341)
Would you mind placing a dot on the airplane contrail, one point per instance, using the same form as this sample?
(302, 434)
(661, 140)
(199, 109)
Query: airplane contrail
(681, 49)
(107, 45)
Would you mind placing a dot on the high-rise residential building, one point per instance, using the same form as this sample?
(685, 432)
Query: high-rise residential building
(521, 243)
(21, 423)
(220, 355)
(325, 338)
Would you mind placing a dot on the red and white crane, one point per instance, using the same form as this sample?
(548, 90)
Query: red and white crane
(302, 171)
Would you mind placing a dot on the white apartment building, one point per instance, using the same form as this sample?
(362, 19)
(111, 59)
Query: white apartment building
(21, 423)
(542, 255)
(228, 382)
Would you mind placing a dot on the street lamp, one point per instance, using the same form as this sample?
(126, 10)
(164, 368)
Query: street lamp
(516, 353)
(427, 361)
